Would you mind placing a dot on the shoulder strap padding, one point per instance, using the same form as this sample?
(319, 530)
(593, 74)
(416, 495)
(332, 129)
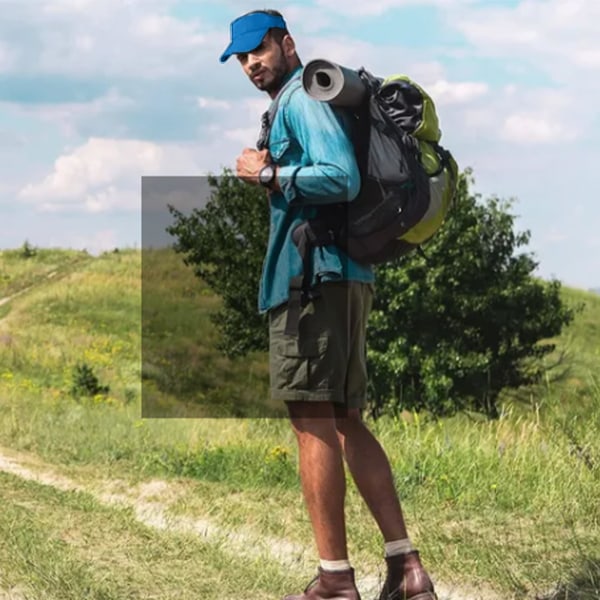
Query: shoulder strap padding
(268, 117)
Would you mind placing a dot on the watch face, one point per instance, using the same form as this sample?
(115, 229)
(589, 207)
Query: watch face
(266, 175)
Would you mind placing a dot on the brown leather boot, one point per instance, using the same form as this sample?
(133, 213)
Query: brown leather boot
(407, 579)
(330, 585)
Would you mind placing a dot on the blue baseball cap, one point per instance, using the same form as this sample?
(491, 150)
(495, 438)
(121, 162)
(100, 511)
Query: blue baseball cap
(248, 31)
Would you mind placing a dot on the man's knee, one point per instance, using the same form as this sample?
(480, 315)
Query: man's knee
(347, 419)
(310, 417)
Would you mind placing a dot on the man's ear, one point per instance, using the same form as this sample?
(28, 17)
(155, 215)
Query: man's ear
(288, 45)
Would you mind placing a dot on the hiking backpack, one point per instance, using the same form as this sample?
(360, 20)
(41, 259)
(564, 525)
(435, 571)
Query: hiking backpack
(408, 182)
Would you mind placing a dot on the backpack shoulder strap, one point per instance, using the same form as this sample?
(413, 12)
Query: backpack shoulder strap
(269, 116)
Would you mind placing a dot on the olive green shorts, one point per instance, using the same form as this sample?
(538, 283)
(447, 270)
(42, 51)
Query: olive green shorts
(326, 362)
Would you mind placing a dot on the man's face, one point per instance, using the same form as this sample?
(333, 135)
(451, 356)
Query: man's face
(266, 66)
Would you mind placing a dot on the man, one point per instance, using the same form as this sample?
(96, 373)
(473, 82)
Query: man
(320, 373)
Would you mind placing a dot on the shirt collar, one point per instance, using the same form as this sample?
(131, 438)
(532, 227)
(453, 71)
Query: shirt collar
(289, 76)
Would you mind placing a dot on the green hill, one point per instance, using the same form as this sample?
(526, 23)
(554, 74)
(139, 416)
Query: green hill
(510, 506)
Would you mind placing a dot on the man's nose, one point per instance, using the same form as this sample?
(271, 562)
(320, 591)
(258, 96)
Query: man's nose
(253, 62)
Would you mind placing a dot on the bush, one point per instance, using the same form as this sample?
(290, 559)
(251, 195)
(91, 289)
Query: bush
(27, 250)
(450, 331)
(85, 382)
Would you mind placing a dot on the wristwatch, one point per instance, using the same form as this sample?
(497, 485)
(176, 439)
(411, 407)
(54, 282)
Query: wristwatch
(266, 176)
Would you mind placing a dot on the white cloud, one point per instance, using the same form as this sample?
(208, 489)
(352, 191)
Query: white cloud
(233, 125)
(306, 19)
(7, 57)
(167, 32)
(96, 242)
(545, 116)
(11, 140)
(95, 9)
(553, 35)
(101, 241)
(588, 58)
(135, 45)
(533, 129)
(66, 6)
(213, 103)
(104, 175)
(518, 115)
(379, 7)
(446, 92)
(348, 52)
(254, 108)
(112, 38)
(381, 60)
(67, 115)
(475, 121)
(555, 236)
(245, 136)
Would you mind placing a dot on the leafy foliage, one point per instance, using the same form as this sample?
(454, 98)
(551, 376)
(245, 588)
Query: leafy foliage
(27, 250)
(225, 242)
(86, 383)
(450, 331)
(447, 333)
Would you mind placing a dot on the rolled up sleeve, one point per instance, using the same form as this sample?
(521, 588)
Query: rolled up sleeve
(331, 173)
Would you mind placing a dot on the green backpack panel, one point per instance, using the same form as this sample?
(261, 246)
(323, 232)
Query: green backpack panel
(411, 107)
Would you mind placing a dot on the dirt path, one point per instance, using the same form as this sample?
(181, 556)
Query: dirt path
(149, 511)
(7, 299)
(154, 513)
(57, 274)
(13, 594)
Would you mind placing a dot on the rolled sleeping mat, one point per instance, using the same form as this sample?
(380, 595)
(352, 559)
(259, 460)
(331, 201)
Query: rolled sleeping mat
(329, 82)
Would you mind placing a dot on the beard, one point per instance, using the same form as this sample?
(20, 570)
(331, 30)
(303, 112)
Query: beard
(272, 78)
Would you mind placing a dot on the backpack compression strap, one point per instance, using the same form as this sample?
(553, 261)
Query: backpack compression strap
(298, 292)
(306, 236)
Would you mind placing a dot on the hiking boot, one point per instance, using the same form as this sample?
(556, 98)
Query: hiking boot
(407, 579)
(330, 585)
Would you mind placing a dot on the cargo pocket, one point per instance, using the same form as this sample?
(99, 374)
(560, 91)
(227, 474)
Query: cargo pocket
(298, 364)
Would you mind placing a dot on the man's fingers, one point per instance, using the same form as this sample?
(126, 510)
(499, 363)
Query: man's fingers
(242, 169)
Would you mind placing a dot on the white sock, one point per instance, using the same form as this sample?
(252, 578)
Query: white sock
(335, 565)
(396, 547)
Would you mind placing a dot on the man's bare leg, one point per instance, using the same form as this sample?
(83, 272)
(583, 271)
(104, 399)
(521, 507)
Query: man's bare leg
(322, 475)
(371, 471)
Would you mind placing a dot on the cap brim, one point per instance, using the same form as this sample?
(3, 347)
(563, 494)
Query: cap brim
(243, 43)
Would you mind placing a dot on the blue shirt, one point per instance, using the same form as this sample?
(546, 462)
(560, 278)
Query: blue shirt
(310, 142)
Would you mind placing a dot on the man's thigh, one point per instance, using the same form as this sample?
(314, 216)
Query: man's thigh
(326, 362)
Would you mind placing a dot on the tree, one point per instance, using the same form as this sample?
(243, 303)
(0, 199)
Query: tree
(225, 242)
(448, 332)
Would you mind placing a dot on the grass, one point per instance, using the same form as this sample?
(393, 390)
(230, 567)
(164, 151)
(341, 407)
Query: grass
(182, 373)
(18, 272)
(511, 504)
(64, 545)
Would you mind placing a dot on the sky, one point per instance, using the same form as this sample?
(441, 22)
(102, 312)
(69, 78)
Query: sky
(95, 94)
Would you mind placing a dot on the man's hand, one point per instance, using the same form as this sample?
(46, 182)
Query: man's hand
(249, 164)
